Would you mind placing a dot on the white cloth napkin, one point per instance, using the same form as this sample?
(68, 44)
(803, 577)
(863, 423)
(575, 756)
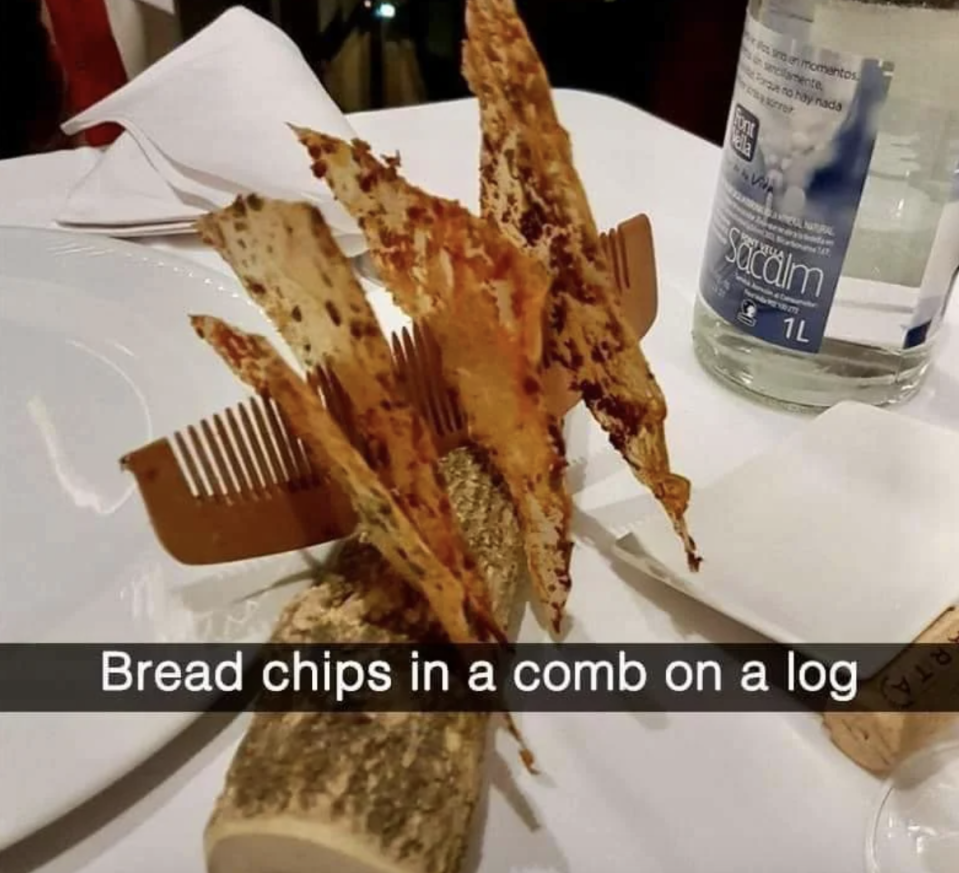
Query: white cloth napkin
(205, 123)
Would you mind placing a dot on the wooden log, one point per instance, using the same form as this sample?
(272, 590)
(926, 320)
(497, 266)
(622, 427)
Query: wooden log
(887, 733)
(354, 792)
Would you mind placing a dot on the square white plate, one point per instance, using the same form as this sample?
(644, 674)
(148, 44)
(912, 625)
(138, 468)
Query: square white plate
(846, 533)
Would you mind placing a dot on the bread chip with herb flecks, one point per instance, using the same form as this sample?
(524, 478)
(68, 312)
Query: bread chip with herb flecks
(254, 360)
(531, 190)
(287, 259)
(483, 299)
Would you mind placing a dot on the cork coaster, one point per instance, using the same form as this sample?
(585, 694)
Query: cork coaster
(906, 704)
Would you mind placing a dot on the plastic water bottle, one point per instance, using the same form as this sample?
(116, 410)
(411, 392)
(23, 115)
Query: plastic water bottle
(834, 240)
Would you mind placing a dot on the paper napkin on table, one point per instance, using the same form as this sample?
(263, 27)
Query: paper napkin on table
(205, 123)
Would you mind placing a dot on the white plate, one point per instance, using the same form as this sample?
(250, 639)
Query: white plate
(97, 358)
(845, 533)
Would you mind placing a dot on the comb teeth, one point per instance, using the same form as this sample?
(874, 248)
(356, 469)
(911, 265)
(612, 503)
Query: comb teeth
(337, 403)
(417, 357)
(614, 247)
(245, 451)
(250, 451)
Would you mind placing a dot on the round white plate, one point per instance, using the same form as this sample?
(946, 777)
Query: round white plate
(98, 358)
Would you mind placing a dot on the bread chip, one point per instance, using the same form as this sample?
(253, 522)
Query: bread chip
(483, 299)
(260, 366)
(286, 257)
(530, 189)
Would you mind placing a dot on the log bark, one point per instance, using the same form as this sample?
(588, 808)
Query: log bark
(357, 792)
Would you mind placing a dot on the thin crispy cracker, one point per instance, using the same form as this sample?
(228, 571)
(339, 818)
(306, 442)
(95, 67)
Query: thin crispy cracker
(287, 259)
(483, 299)
(531, 190)
(254, 360)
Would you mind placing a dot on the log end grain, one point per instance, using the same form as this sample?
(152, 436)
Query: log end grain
(288, 845)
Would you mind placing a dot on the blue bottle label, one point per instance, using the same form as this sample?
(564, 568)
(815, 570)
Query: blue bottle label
(799, 141)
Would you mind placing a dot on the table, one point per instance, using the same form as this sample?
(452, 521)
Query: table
(702, 793)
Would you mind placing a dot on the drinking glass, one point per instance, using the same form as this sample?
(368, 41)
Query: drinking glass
(915, 826)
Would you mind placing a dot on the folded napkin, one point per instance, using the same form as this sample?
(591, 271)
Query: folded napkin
(123, 195)
(205, 123)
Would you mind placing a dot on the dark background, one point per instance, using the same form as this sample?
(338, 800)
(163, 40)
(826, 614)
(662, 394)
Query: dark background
(674, 58)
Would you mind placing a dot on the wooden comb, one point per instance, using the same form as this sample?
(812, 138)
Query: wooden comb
(629, 249)
(240, 484)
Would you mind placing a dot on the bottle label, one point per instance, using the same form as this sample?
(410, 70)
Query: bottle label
(799, 142)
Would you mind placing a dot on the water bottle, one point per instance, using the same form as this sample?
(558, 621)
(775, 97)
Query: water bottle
(833, 245)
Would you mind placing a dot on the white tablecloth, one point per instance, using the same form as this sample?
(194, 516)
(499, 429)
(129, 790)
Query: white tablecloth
(719, 793)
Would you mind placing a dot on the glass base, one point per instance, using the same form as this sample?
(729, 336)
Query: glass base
(803, 382)
(915, 828)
